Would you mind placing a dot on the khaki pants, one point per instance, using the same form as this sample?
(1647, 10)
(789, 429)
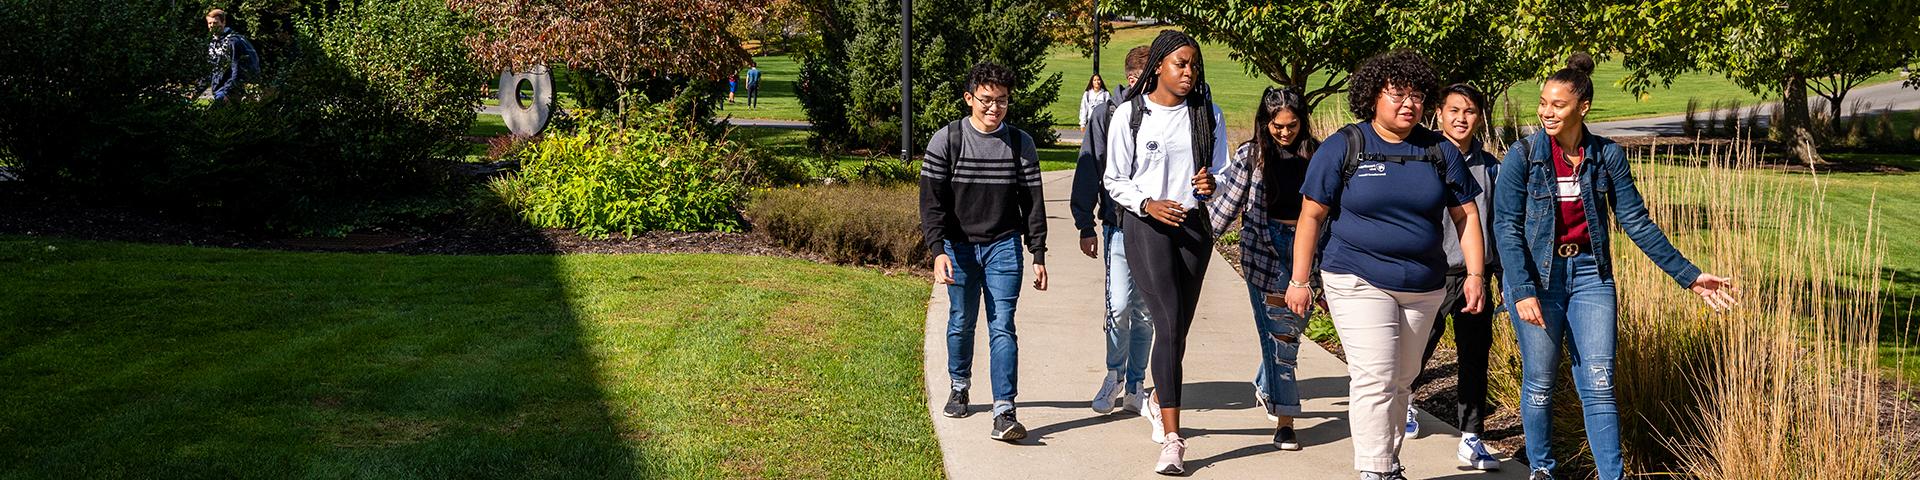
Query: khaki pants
(1384, 332)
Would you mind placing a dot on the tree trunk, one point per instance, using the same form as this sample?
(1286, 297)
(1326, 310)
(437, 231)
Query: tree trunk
(1800, 139)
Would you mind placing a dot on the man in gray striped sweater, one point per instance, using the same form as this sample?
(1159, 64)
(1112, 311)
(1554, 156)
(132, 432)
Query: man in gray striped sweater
(979, 198)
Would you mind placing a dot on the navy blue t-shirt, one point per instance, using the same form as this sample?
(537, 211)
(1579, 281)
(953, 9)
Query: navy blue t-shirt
(1385, 222)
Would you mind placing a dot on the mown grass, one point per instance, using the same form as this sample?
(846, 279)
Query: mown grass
(125, 360)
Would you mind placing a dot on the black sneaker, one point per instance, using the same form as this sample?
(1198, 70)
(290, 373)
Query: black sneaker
(1005, 428)
(1284, 439)
(957, 404)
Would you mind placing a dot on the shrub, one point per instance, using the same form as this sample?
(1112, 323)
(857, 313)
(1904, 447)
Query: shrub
(347, 121)
(653, 173)
(1690, 126)
(94, 88)
(860, 224)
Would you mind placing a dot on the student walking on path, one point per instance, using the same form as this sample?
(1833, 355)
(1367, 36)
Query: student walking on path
(980, 198)
(1094, 97)
(1162, 143)
(1261, 188)
(1555, 194)
(1129, 331)
(1459, 118)
(1380, 188)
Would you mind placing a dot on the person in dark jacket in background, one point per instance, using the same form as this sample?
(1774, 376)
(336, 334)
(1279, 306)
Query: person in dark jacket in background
(1129, 330)
(232, 56)
(979, 198)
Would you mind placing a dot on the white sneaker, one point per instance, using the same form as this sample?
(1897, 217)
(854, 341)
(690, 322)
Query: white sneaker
(1474, 455)
(1173, 456)
(1151, 411)
(1103, 400)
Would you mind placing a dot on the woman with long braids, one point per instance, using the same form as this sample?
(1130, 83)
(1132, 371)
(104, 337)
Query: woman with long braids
(1380, 187)
(1261, 187)
(1160, 145)
(1551, 205)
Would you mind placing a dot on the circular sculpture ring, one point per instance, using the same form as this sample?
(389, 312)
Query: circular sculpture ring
(529, 119)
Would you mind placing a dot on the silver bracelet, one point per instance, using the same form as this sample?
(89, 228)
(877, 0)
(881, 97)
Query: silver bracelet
(1294, 284)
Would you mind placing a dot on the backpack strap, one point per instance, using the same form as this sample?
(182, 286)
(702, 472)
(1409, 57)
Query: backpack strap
(1351, 162)
(954, 139)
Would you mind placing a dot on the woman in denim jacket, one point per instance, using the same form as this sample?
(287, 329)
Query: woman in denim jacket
(1550, 226)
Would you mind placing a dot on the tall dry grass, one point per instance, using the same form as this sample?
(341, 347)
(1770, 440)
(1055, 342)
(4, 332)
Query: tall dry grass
(1784, 387)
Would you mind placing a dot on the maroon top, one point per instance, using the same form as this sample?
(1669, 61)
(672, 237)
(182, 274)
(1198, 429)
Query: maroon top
(1570, 226)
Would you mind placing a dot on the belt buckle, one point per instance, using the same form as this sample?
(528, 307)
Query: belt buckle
(1568, 250)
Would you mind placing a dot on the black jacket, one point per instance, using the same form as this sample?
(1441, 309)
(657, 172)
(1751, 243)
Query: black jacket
(1090, 199)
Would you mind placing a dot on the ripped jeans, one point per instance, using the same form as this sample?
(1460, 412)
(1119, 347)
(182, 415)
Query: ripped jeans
(1578, 306)
(1280, 331)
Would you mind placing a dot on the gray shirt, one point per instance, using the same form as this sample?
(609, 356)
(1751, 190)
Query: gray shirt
(1483, 167)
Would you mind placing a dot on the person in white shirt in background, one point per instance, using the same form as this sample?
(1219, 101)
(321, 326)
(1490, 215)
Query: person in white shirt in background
(1092, 98)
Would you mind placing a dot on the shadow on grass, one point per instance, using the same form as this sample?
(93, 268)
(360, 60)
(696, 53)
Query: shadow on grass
(124, 360)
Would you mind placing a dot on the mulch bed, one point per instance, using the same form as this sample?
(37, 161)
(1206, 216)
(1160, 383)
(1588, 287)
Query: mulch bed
(129, 225)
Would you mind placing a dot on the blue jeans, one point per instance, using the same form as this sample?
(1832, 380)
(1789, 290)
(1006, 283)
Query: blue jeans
(993, 271)
(1279, 330)
(1129, 329)
(1578, 307)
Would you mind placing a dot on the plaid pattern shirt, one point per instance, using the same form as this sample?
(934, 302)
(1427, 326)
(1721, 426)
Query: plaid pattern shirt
(1239, 189)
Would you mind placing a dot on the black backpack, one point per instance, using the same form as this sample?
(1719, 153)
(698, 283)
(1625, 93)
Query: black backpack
(1356, 140)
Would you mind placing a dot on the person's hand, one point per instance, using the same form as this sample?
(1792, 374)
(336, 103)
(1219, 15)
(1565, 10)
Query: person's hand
(1476, 293)
(1716, 291)
(1166, 211)
(1039, 277)
(943, 270)
(1090, 246)
(1300, 300)
(1529, 311)
(1203, 183)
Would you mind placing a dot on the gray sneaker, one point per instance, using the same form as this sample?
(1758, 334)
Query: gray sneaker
(1104, 400)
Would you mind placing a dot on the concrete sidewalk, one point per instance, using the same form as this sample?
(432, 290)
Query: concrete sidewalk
(1062, 360)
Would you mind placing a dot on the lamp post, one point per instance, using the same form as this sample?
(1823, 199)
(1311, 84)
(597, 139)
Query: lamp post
(906, 80)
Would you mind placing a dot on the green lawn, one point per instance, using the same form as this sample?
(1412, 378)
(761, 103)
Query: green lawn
(1237, 92)
(124, 360)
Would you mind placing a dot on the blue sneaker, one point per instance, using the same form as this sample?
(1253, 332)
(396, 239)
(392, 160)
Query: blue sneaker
(1413, 423)
(1474, 455)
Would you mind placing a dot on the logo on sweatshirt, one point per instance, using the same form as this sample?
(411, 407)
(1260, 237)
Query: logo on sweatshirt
(1153, 145)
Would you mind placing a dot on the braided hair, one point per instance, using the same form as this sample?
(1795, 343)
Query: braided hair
(1199, 101)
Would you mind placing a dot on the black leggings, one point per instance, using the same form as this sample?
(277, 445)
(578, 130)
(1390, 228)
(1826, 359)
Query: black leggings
(1168, 265)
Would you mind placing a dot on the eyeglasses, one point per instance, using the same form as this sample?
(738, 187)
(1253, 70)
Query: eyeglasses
(1402, 98)
(993, 102)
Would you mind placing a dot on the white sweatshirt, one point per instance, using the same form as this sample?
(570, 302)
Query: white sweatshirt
(1160, 165)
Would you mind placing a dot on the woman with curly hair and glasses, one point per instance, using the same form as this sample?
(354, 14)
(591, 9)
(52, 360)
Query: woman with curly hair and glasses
(1380, 187)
